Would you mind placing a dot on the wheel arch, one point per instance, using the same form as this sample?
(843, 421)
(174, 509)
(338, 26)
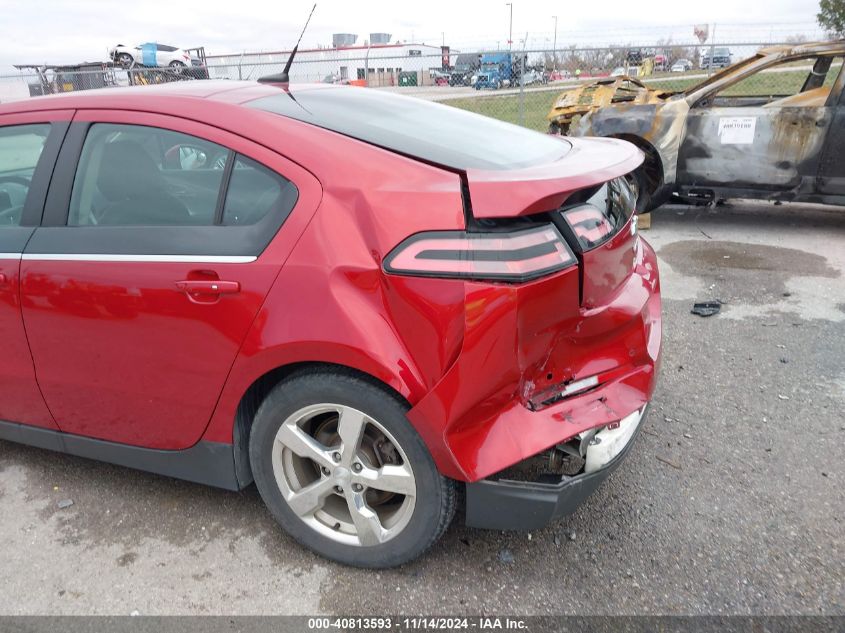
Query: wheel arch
(237, 430)
(653, 163)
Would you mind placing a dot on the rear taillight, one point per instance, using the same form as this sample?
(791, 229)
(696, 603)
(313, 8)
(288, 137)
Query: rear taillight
(515, 256)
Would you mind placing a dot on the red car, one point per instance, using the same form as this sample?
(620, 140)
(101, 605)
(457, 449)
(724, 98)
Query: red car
(363, 302)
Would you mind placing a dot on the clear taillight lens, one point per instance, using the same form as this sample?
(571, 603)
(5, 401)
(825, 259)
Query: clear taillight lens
(515, 256)
(603, 215)
(590, 225)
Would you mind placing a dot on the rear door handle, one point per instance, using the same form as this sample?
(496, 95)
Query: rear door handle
(214, 287)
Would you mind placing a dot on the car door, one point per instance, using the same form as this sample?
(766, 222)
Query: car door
(29, 144)
(150, 267)
(164, 54)
(763, 131)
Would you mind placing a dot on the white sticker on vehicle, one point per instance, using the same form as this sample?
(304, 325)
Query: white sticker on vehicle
(737, 130)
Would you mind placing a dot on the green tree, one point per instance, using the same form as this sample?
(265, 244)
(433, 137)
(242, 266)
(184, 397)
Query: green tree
(831, 17)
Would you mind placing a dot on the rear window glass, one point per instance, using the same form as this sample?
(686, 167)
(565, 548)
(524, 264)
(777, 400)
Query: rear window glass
(601, 217)
(434, 132)
(254, 191)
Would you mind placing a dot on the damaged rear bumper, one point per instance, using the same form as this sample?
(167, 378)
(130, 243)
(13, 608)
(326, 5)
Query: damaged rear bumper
(505, 504)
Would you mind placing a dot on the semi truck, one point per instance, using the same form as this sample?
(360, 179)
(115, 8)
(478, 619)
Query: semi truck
(498, 70)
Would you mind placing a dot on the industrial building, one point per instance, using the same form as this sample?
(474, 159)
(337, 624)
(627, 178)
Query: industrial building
(376, 61)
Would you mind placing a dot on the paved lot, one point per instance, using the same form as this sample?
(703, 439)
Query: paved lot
(731, 502)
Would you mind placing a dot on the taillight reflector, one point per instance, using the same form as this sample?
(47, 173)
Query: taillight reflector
(515, 256)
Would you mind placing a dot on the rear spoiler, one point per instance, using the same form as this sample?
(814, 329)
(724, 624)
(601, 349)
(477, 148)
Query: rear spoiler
(511, 193)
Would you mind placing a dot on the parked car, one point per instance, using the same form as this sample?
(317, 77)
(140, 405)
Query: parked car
(534, 77)
(722, 58)
(766, 128)
(335, 79)
(152, 54)
(440, 77)
(559, 75)
(681, 66)
(364, 302)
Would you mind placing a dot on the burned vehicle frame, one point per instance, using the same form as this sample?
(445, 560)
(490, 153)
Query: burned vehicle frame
(711, 141)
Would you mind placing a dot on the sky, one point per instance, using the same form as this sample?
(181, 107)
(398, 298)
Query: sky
(70, 31)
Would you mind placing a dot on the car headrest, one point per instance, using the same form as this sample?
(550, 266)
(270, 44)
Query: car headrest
(127, 171)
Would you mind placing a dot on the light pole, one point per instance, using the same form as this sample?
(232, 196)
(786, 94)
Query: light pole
(510, 28)
(554, 46)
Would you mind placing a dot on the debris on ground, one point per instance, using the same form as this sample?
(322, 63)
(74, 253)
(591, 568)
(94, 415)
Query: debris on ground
(669, 462)
(782, 397)
(572, 536)
(706, 308)
(65, 503)
(506, 556)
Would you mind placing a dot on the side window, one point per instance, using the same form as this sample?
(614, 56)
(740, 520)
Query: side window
(20, 149)
(255, 191)
(131, 175)
(806, 82)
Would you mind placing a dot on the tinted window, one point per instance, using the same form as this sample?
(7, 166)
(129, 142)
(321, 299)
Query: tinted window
(131, 175)
(20, 149)
(254, 191)
(434, 132)
(165, 48)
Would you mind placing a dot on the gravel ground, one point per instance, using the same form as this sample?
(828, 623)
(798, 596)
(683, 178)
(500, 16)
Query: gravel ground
(730, 503)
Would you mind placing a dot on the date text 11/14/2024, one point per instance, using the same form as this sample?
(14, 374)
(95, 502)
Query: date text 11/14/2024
(418, 623)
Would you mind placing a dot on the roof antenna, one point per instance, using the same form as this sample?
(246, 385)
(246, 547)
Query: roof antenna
(284, 77)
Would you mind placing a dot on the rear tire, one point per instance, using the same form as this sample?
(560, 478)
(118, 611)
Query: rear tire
(376, 501)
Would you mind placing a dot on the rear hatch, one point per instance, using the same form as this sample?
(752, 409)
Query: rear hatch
(568, 344)
(584, 193)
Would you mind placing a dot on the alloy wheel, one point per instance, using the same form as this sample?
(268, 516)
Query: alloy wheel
(343, 474)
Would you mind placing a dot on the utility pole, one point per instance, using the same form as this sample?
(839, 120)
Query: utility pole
(510, 28)
(554, 46)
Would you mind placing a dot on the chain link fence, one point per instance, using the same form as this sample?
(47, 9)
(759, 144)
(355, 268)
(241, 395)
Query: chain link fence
(518, 85)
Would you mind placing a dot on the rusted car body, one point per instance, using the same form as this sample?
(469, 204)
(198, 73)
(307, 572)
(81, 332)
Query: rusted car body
(771, 126)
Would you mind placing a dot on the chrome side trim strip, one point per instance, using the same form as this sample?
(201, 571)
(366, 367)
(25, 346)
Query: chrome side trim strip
(10, 255)
(172, 259)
